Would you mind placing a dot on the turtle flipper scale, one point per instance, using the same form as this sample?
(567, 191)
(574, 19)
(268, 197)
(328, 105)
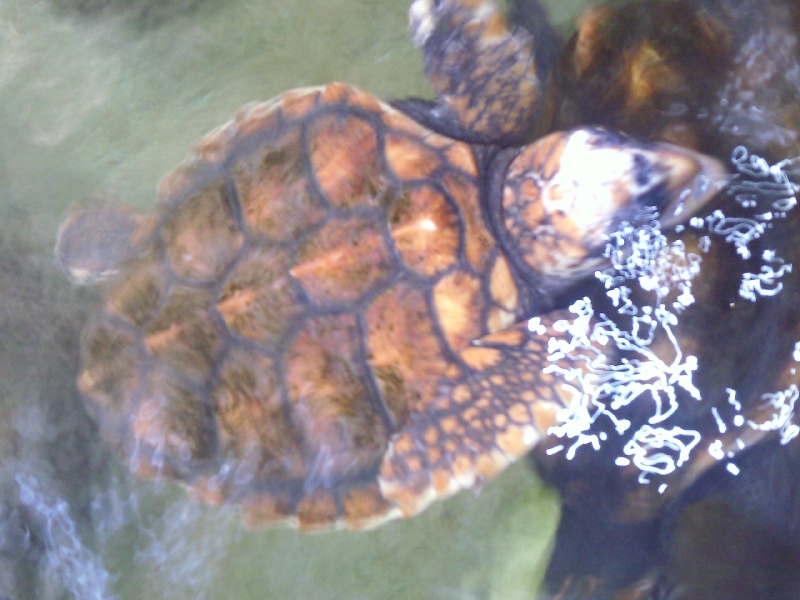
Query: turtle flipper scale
(483, 70)
(491, 413)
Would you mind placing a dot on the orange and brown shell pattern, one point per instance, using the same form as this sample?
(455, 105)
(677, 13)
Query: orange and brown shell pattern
(322, 321)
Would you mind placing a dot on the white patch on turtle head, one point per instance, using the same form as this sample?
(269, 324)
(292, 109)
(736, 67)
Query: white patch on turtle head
(602, 175)
(588, 186)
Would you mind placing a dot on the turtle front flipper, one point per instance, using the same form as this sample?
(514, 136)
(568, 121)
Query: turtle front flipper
(484, 71)
(489, 413)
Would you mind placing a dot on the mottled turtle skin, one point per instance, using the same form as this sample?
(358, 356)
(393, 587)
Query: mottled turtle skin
(325, 320)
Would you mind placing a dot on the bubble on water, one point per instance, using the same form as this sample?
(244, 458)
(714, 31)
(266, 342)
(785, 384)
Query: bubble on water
(758, 182)
(739, 231)
(720, 423)
(638, 253)
(766, 281)
(782, 418)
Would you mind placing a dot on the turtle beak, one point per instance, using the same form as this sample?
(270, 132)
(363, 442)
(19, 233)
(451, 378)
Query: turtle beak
(691, 181)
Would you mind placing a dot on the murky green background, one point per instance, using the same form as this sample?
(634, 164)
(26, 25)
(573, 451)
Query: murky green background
(105, 105)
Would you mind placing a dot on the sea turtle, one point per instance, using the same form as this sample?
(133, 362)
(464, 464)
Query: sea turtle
(327, 318)
(342, 310)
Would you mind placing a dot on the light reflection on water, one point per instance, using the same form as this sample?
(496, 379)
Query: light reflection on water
(109, 105)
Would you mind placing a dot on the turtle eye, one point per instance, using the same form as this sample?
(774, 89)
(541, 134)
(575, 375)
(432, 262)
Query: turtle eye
(648, 182)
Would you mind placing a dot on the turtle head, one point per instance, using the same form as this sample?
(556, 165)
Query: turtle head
(565, 194)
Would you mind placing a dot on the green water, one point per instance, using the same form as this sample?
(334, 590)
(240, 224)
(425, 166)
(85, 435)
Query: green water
(105, 105)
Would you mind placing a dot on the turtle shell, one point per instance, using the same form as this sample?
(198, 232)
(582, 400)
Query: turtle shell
(312, 279)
